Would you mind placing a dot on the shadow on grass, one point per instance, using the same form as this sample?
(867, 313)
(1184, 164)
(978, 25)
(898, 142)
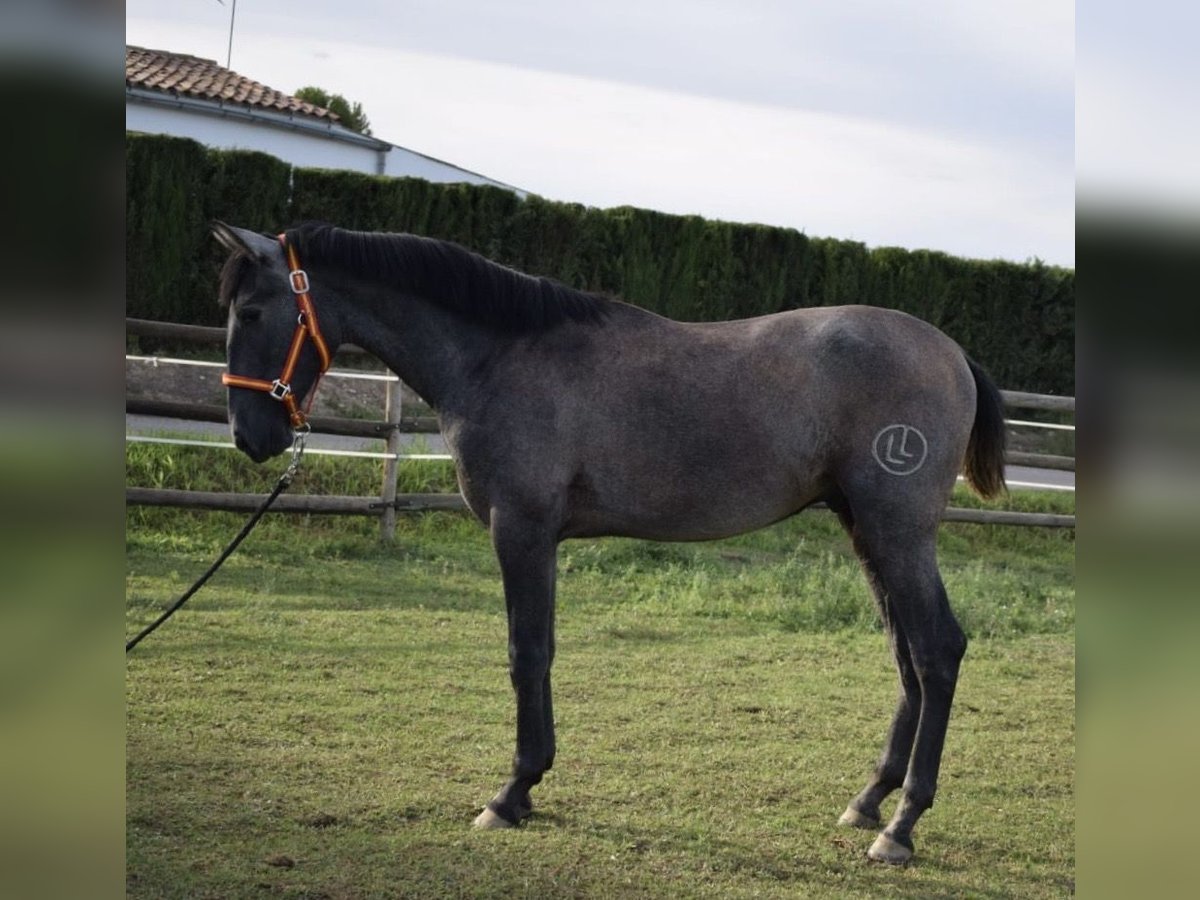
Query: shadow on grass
(677, 861)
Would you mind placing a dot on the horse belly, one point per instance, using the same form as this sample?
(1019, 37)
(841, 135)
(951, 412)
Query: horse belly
(673, 498)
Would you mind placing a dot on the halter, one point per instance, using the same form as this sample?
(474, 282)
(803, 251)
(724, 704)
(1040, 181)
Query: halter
(306, 328)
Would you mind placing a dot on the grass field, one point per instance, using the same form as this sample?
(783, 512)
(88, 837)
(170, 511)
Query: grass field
(325, 719)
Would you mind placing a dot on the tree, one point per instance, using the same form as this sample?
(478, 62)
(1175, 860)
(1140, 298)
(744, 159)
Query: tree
(350, 115)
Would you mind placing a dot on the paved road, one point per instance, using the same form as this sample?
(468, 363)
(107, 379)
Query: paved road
(1020, 477)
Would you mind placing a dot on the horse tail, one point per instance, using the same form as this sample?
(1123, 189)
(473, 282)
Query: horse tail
(984, 465)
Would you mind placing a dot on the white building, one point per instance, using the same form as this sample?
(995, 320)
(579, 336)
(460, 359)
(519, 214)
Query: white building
(185, 96)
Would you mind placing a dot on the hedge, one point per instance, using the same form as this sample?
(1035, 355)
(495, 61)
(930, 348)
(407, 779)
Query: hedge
(1017, 319)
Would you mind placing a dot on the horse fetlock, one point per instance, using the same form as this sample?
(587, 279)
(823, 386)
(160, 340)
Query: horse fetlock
(529, 770)
(916, 800)
(507, 809)
(867, 802)
(889, 775)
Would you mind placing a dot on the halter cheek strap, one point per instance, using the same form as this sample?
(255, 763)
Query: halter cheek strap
(307, 329)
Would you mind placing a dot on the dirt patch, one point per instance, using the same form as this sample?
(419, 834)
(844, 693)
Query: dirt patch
(321, 820)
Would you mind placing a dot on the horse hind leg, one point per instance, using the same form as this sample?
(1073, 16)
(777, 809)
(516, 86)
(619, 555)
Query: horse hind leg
(889, 772)
(928, 646)
(936, 647)
(888, 775)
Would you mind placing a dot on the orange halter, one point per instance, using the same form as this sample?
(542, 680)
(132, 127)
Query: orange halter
(306, 328)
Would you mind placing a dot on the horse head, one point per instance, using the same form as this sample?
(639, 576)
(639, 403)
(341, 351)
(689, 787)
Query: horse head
(275, 350)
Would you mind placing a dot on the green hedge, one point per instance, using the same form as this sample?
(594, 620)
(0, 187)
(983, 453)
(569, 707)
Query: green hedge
(1016, 319)
(173, 188)
(165, 183)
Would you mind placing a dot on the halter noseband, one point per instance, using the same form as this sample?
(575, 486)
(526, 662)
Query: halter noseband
(306, 329)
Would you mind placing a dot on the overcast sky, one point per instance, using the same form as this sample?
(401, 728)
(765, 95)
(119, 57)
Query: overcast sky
(941, 124)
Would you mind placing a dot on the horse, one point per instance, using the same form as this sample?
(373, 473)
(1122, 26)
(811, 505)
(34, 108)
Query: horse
(570, 414)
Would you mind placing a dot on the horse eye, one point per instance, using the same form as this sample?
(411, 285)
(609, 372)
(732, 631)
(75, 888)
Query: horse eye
(249, 314)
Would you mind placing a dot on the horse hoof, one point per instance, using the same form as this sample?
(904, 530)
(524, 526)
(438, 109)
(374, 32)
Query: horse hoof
(488, 819)
(854, 819)
(889, 851)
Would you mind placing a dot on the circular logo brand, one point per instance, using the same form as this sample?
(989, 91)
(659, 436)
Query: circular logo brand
(900, 449)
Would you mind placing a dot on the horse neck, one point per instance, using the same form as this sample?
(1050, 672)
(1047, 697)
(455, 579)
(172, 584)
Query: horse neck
(430, 348)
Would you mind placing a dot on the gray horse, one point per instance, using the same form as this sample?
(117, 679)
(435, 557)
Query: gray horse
(574, 415)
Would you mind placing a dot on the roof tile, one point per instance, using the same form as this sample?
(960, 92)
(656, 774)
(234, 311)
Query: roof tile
(191, 76)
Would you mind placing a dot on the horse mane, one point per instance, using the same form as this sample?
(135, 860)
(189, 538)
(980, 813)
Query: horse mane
(449, 275)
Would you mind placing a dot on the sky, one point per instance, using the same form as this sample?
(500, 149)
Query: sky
(942, 124)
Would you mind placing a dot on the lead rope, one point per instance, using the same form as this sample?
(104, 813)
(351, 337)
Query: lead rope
(300, 436)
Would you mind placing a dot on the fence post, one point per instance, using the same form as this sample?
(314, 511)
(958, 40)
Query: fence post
(391, 414)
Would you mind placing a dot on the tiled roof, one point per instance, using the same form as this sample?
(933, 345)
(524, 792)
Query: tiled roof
(203, 79)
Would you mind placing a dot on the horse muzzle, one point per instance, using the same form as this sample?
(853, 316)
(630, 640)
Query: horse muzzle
(261, 444)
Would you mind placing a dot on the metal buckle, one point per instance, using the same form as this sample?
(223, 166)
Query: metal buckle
(279, 390)
(299, 280)
(299, 439)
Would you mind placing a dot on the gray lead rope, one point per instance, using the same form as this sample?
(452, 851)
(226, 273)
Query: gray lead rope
(300, 436)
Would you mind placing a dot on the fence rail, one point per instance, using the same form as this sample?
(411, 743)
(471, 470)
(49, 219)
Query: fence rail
(1047, 402)
(324, 504)
(211, 412)
(389, 502)
(341, 505)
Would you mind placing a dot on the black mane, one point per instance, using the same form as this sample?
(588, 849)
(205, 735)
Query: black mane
(449, 275)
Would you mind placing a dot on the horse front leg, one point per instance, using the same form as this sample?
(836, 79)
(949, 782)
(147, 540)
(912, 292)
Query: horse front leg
(527, 556)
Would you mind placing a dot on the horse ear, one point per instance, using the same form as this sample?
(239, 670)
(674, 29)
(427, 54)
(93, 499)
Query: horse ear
(240, 240)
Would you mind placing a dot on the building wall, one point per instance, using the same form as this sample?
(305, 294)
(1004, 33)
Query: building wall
(400, 162)
(300, 148)
(297, 148)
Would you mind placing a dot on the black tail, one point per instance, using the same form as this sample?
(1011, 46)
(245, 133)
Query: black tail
(984, 464)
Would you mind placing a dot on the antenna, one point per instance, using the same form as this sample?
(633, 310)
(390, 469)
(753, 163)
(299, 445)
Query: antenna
(232, 16)
(229, 53)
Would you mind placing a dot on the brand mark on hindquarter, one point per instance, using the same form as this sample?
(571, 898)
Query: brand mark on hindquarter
(900, 449)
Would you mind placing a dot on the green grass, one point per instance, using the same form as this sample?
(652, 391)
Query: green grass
(344, 705)
(206, 469)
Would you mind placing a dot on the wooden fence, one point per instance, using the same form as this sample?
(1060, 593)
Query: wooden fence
(394, 424)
